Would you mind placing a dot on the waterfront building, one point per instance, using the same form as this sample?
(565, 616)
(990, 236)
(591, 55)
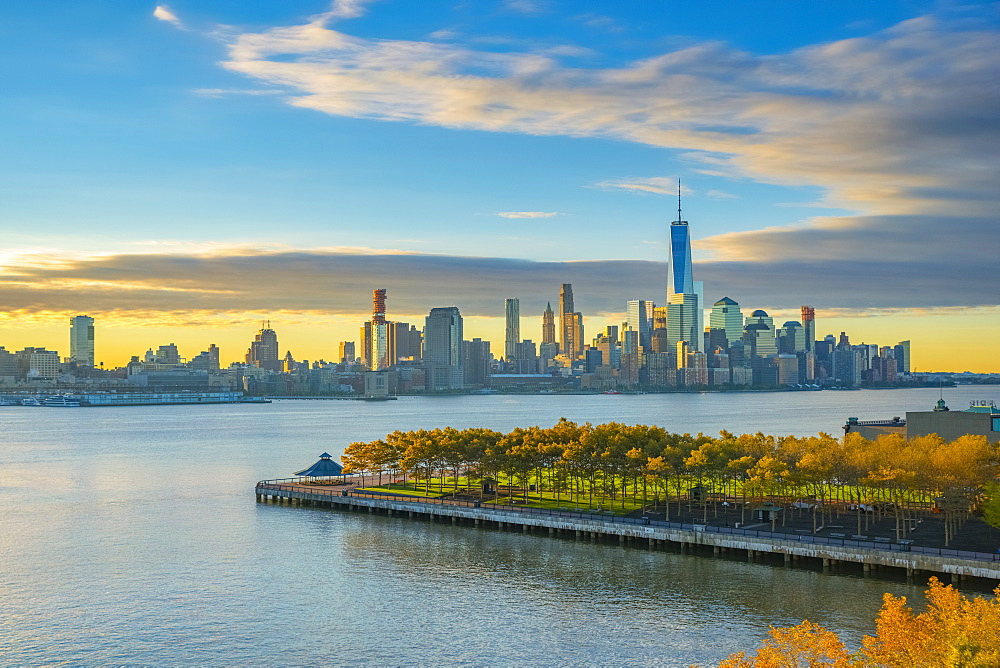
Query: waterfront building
(476, 363)
(8, 367)
(548, 325)
(846, 365)
(638, 316)
(565, 318)
(405, 342)
(685, 319)
(726, 317)
(982, 418)
(443, 349)
(791, 338)
(682, 321)
(169, 354)
(81, 340)
(901, 352)
(809, 324)
(263, 351)
(512, 331)
(37, 364)
(378, 334)
(759, 335)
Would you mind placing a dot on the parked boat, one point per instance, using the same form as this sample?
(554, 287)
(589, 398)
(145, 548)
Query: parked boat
(7, 401)
(62, 401)
(30, 401)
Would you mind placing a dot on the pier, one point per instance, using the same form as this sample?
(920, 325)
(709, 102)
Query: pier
(868, 557)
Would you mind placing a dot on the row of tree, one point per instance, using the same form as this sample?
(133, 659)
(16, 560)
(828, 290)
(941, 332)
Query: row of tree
(614, 463)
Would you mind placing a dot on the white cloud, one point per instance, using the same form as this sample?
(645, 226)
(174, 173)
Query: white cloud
(719, 194)
(165, 14)
(528, 214)
(899, 125)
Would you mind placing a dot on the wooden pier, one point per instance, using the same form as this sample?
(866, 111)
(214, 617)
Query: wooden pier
(807, 551)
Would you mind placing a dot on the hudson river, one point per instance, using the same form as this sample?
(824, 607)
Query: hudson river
(131, 536)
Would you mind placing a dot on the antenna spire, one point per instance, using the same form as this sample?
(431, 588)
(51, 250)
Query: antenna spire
(679, 200)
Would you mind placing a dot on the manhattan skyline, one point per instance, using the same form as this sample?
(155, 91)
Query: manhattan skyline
(182, 171)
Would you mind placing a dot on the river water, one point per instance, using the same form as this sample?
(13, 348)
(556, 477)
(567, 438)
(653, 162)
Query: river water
(131, 536)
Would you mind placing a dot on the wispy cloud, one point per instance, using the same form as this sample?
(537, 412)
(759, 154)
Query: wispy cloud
(528, 214)
(659, 185)
(719, 194)
(164, 14)
(224, 92)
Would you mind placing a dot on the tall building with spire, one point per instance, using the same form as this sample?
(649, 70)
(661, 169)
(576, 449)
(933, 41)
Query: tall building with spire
(683, 292)
(548, 325)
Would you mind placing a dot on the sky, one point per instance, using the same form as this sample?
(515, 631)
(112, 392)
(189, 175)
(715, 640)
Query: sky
(184, 171)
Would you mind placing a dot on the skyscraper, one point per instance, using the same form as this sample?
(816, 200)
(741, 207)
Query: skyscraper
(81, 340)
(548, 325)
(566, 319)
(263, 351)
(680, 281)
(378, 358)
(512, 337)
(809, 324)
(637, 317)
(727, 316)
(443, 348)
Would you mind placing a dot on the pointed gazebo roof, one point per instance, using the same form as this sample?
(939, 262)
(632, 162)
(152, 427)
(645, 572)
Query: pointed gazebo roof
(323, 468)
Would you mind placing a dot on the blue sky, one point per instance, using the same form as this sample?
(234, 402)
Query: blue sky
(838, 154)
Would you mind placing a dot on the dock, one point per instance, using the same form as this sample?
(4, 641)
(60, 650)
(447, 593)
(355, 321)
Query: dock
(810, 551)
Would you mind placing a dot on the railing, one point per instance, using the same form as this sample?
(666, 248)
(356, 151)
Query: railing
(284, 484)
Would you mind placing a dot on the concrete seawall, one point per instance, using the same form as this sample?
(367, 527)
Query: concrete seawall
(651, 537)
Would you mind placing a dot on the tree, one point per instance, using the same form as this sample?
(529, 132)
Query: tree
(952, 631)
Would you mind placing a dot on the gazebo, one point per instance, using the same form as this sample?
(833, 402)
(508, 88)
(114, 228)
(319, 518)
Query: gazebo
(324, 468)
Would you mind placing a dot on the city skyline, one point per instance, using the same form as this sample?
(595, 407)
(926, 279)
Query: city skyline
(182, 171)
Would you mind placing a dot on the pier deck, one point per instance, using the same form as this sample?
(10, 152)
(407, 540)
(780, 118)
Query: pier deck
(829, 552)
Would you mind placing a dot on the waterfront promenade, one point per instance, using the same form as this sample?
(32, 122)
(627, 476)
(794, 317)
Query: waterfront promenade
(791, 549)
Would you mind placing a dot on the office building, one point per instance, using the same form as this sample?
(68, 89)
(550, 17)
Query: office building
(512, 331)
(443, 349)
(377, 354)
(727, 317)
(345, 352)
(81, 340)
(684, 294)
(548, 325)
(638, 315)
(809, 324)
(263, 351)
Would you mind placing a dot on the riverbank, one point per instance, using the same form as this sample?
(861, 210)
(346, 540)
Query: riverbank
(868, 557)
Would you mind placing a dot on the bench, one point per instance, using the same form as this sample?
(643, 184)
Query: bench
(882, 540)
(837, 535)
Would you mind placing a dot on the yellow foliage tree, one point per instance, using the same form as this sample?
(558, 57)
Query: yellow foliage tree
(953, 631)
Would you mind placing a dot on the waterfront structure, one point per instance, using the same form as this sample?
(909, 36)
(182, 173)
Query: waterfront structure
(476, 363)
(345, 352)
(982, 418)
(682, 321)
(901, 352)
(81, 340)
(548, 325)
(512, 331)
(37, 364)
(637, 315)
(378, 354)
(759, 334)
(571, 324)
(727, 317)
(809, 324)
(443, 349)
(791, 338)
(684, 294)
(263, 351)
